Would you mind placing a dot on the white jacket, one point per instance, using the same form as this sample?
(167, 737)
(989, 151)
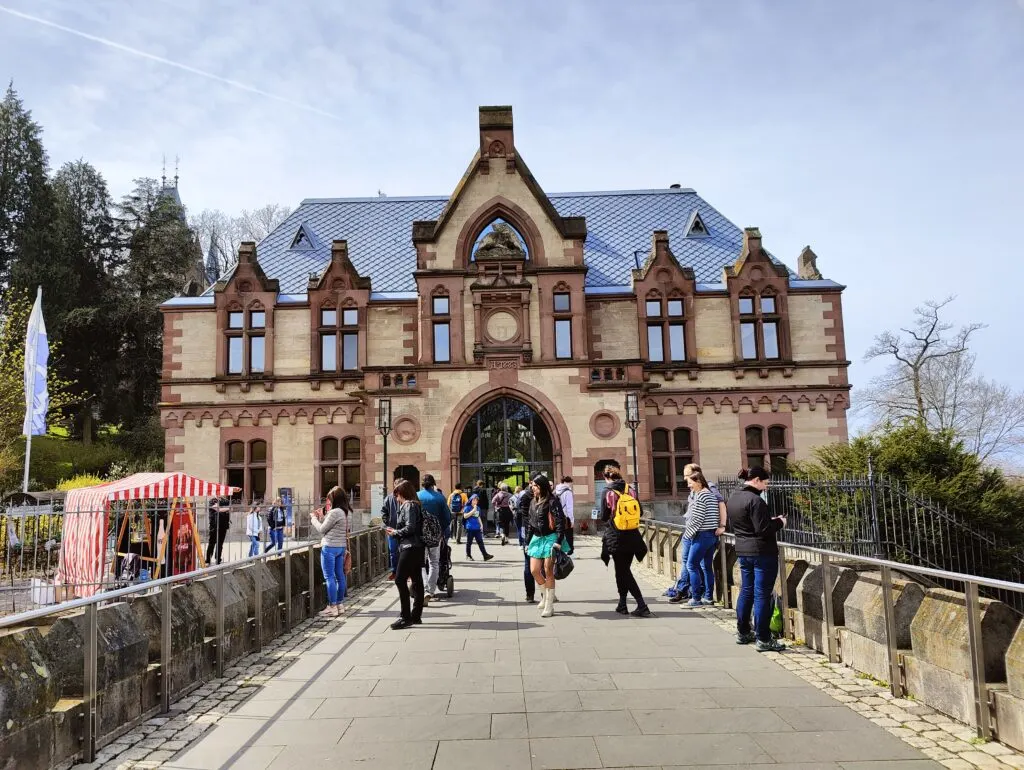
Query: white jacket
(565, 497)
(253, 525)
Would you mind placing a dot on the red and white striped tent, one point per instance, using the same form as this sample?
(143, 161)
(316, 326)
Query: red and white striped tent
(83, 550)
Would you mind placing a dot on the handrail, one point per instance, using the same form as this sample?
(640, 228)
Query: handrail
(21, 618)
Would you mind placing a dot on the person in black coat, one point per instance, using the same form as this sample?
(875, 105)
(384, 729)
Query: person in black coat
(621, 546)
(522, 515)
(408, 534)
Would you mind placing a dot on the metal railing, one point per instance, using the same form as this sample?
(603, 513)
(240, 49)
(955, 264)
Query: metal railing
(658, 533)
(369, 559)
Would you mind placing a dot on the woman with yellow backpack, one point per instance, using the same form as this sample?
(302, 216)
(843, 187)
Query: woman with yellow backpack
(622, 539)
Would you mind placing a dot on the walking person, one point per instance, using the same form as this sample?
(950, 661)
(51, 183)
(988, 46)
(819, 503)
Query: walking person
(680, 591)
(389, 516)
(621, 546)
(702, 531)
(408, 534)
(276, 522)
(757, 550)
(484, 504)
(433, 504)
(333, 523)
(253, 529)
(523, 498)
(474, 528)
(566, 498)
(457, 504)
(545, 532)
(502, 505)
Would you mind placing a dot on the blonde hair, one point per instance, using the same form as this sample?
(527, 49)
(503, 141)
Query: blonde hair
(691, 468)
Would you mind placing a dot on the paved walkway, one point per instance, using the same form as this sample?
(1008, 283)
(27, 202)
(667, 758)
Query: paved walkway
(486, 683)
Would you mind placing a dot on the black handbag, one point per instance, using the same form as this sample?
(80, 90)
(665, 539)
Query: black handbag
(563, 565)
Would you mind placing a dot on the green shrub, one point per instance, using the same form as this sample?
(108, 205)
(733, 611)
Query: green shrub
(77, 482)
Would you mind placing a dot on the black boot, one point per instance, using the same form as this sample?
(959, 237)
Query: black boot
(621, 608)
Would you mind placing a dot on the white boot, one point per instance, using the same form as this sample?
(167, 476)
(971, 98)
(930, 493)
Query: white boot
(554, 596)
(543, 599)
(549, 606)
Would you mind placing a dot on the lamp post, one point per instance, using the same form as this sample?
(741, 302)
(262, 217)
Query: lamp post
(633, 421)
(384, 428)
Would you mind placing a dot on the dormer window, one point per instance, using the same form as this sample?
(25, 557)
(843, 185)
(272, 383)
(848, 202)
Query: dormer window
(304, 239)
(759, 327)
(339, 339)
(246, 341)
(696, 228)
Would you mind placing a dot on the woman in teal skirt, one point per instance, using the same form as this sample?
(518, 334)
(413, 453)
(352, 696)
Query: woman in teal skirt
(545, 531)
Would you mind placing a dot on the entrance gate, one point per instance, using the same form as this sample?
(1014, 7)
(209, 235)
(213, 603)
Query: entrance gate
(505, 441)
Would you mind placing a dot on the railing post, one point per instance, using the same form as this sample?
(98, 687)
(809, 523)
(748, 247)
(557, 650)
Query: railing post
(783, 591)
(312, 587)
(89, 652)
(830, 614)
(221, 584)
(888, 606)
(723, 558)
(287, 590)
(977, 650)
(873, 494)
(165, 648)
(258, 603)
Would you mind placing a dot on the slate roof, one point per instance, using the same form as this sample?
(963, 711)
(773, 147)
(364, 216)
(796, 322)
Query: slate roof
(379, 235)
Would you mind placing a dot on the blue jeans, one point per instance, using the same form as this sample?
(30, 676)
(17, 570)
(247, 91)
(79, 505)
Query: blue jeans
(332, 559)
(393, 549)
(699, 564)
(254, 545)
(757, 576)
(682, 585)
(475, 536)
(276, 539)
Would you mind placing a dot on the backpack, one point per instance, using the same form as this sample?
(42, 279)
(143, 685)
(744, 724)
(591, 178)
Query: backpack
(627, 512)
(431, 533)
(455, 501)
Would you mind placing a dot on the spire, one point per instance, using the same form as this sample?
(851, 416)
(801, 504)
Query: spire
(213, 260)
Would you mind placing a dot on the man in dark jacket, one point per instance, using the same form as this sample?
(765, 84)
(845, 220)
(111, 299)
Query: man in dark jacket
(522, 517)
(621, 546)
(389, 516)
(758, 552)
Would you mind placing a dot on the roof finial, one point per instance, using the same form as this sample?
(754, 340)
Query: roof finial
(176, 161)
(163, 172)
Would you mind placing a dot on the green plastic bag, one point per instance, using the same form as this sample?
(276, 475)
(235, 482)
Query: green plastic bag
(776, 623)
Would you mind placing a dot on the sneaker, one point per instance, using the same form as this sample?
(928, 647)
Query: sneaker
(417, 621)
(708, 602)
(671, 592)
(621, 608)
(488, 556)
(400, 624)
(677, 599)
(642, 612)
(694, 603)
(427, 598)
(531, 599)
(470, 557)
(772, 645)
(391, 576)
(747, 638)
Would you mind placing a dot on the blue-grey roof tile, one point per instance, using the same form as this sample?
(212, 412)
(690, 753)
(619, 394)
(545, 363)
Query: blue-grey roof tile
(619, 227)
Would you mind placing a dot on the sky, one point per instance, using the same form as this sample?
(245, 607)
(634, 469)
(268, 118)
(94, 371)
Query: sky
(885, 135)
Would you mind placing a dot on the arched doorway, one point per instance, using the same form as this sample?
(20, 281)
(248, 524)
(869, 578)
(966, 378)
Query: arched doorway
(505, 440)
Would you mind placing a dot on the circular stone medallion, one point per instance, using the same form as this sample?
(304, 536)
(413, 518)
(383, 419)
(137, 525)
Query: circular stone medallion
(502, 326)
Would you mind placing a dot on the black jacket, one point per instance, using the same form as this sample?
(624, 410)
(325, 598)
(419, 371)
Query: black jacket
(539, 520)
(409, 526)
(276, 518)
(522, 512)
(618, 541)
(752, 523)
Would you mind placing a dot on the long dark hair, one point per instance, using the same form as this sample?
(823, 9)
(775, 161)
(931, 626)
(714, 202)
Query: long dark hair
(544, 483)
(698, 476)
(405, 490)
(338, 498)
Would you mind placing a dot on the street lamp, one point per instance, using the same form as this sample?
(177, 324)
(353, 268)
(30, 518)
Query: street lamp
(633, 421)
(384, 428)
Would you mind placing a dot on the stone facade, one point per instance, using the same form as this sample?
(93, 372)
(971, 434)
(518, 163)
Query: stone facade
(501, 315)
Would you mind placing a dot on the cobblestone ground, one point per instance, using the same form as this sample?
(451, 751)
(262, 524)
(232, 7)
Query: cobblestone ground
(158, 739)
(950, 743)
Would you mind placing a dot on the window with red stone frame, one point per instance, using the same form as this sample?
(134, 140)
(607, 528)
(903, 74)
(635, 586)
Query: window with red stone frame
(339, 464)
(561, 301)
(245, 340)
(245, 467)
(441, 327)
(671, 452)
(760, 326)
(767, 447)
(666, 329)
(338, 334)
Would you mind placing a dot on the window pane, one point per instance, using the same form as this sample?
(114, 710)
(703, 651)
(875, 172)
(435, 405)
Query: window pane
(654, 308)
(351, 448)
(748, 341)
(329, 449)
(350, 317)
(675, 308)
(561, 303)
(257, 483)
(677, 342)
(777, 437)
(235, 320)
(328, 478)
(771, 340)
(442, 347)
(655, 346)
(328, 317)
(563, 339)
(755, 461)
(350, 482)
(257, 350)
(659, 440)
(235, 348)
(681, 461)
(681, 439)
(779, 465)
(350, 351)
(755, 437)
(440, 305)
(257, 319)
(767, 304)
(746, 305)
(662, 476)
(258, 452)
(236, 478)
(328, 352)
(236, 453)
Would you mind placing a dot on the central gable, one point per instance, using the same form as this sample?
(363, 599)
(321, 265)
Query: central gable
(498, 199)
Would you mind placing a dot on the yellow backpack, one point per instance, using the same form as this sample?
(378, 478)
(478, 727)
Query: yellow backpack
(627, 512)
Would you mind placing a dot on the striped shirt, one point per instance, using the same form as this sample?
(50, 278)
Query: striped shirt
(703, 514)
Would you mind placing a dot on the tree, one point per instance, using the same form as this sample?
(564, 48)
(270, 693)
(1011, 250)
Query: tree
(24, 193)
(932, 380)
(228, 232)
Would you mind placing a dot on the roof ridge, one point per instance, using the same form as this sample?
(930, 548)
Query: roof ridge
(439, 198)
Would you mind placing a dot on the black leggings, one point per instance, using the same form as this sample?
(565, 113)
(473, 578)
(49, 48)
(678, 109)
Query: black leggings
(410, 567)
(624, 579)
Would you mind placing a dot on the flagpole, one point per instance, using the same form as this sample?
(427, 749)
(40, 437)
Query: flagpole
(30, 383)
(28, 460)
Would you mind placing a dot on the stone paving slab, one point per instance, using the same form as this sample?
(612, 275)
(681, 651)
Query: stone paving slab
(486, 683)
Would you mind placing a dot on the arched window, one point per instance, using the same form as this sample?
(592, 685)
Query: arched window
(772, 453)
(599, 467)
(500, 239)
(339, 465)
(245, 467)
(672, 451)
(408, 472)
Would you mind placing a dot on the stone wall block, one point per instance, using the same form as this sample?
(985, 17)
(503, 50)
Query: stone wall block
(259, 577)
(809, 617)
(1015, 664)
(187, 635)
(27, 689)
(235, 613)
(864, 613)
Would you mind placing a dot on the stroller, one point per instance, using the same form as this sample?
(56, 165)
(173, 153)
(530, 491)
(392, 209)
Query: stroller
(445, 581)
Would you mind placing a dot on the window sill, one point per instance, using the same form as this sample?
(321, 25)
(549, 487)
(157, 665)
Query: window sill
(669, 370)
(764, 367)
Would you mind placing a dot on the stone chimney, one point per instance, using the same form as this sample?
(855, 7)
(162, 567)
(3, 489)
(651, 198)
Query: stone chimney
(807, 265)
(751, 241)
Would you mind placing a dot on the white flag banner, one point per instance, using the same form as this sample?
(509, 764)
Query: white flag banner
(37, 354)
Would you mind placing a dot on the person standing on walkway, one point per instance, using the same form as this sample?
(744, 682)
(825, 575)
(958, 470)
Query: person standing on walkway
(389, 517)
(702, 531)
(566, 498)
(680, 591)
(502, 505)
(276, 522)
(621, 546)
(253, 529)
(220, 521)
(433, 504)
(408, 533)
(483, 505)
(757, 549)
(523, 499)
(333, 523)
(473, 522)
(545, 532)
(457, 504)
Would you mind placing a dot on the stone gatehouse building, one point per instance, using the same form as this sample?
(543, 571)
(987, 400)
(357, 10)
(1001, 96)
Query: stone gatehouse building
(506, 325)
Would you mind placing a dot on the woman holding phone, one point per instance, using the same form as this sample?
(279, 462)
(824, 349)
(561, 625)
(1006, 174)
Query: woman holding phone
(408, 532)
(333, 527)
